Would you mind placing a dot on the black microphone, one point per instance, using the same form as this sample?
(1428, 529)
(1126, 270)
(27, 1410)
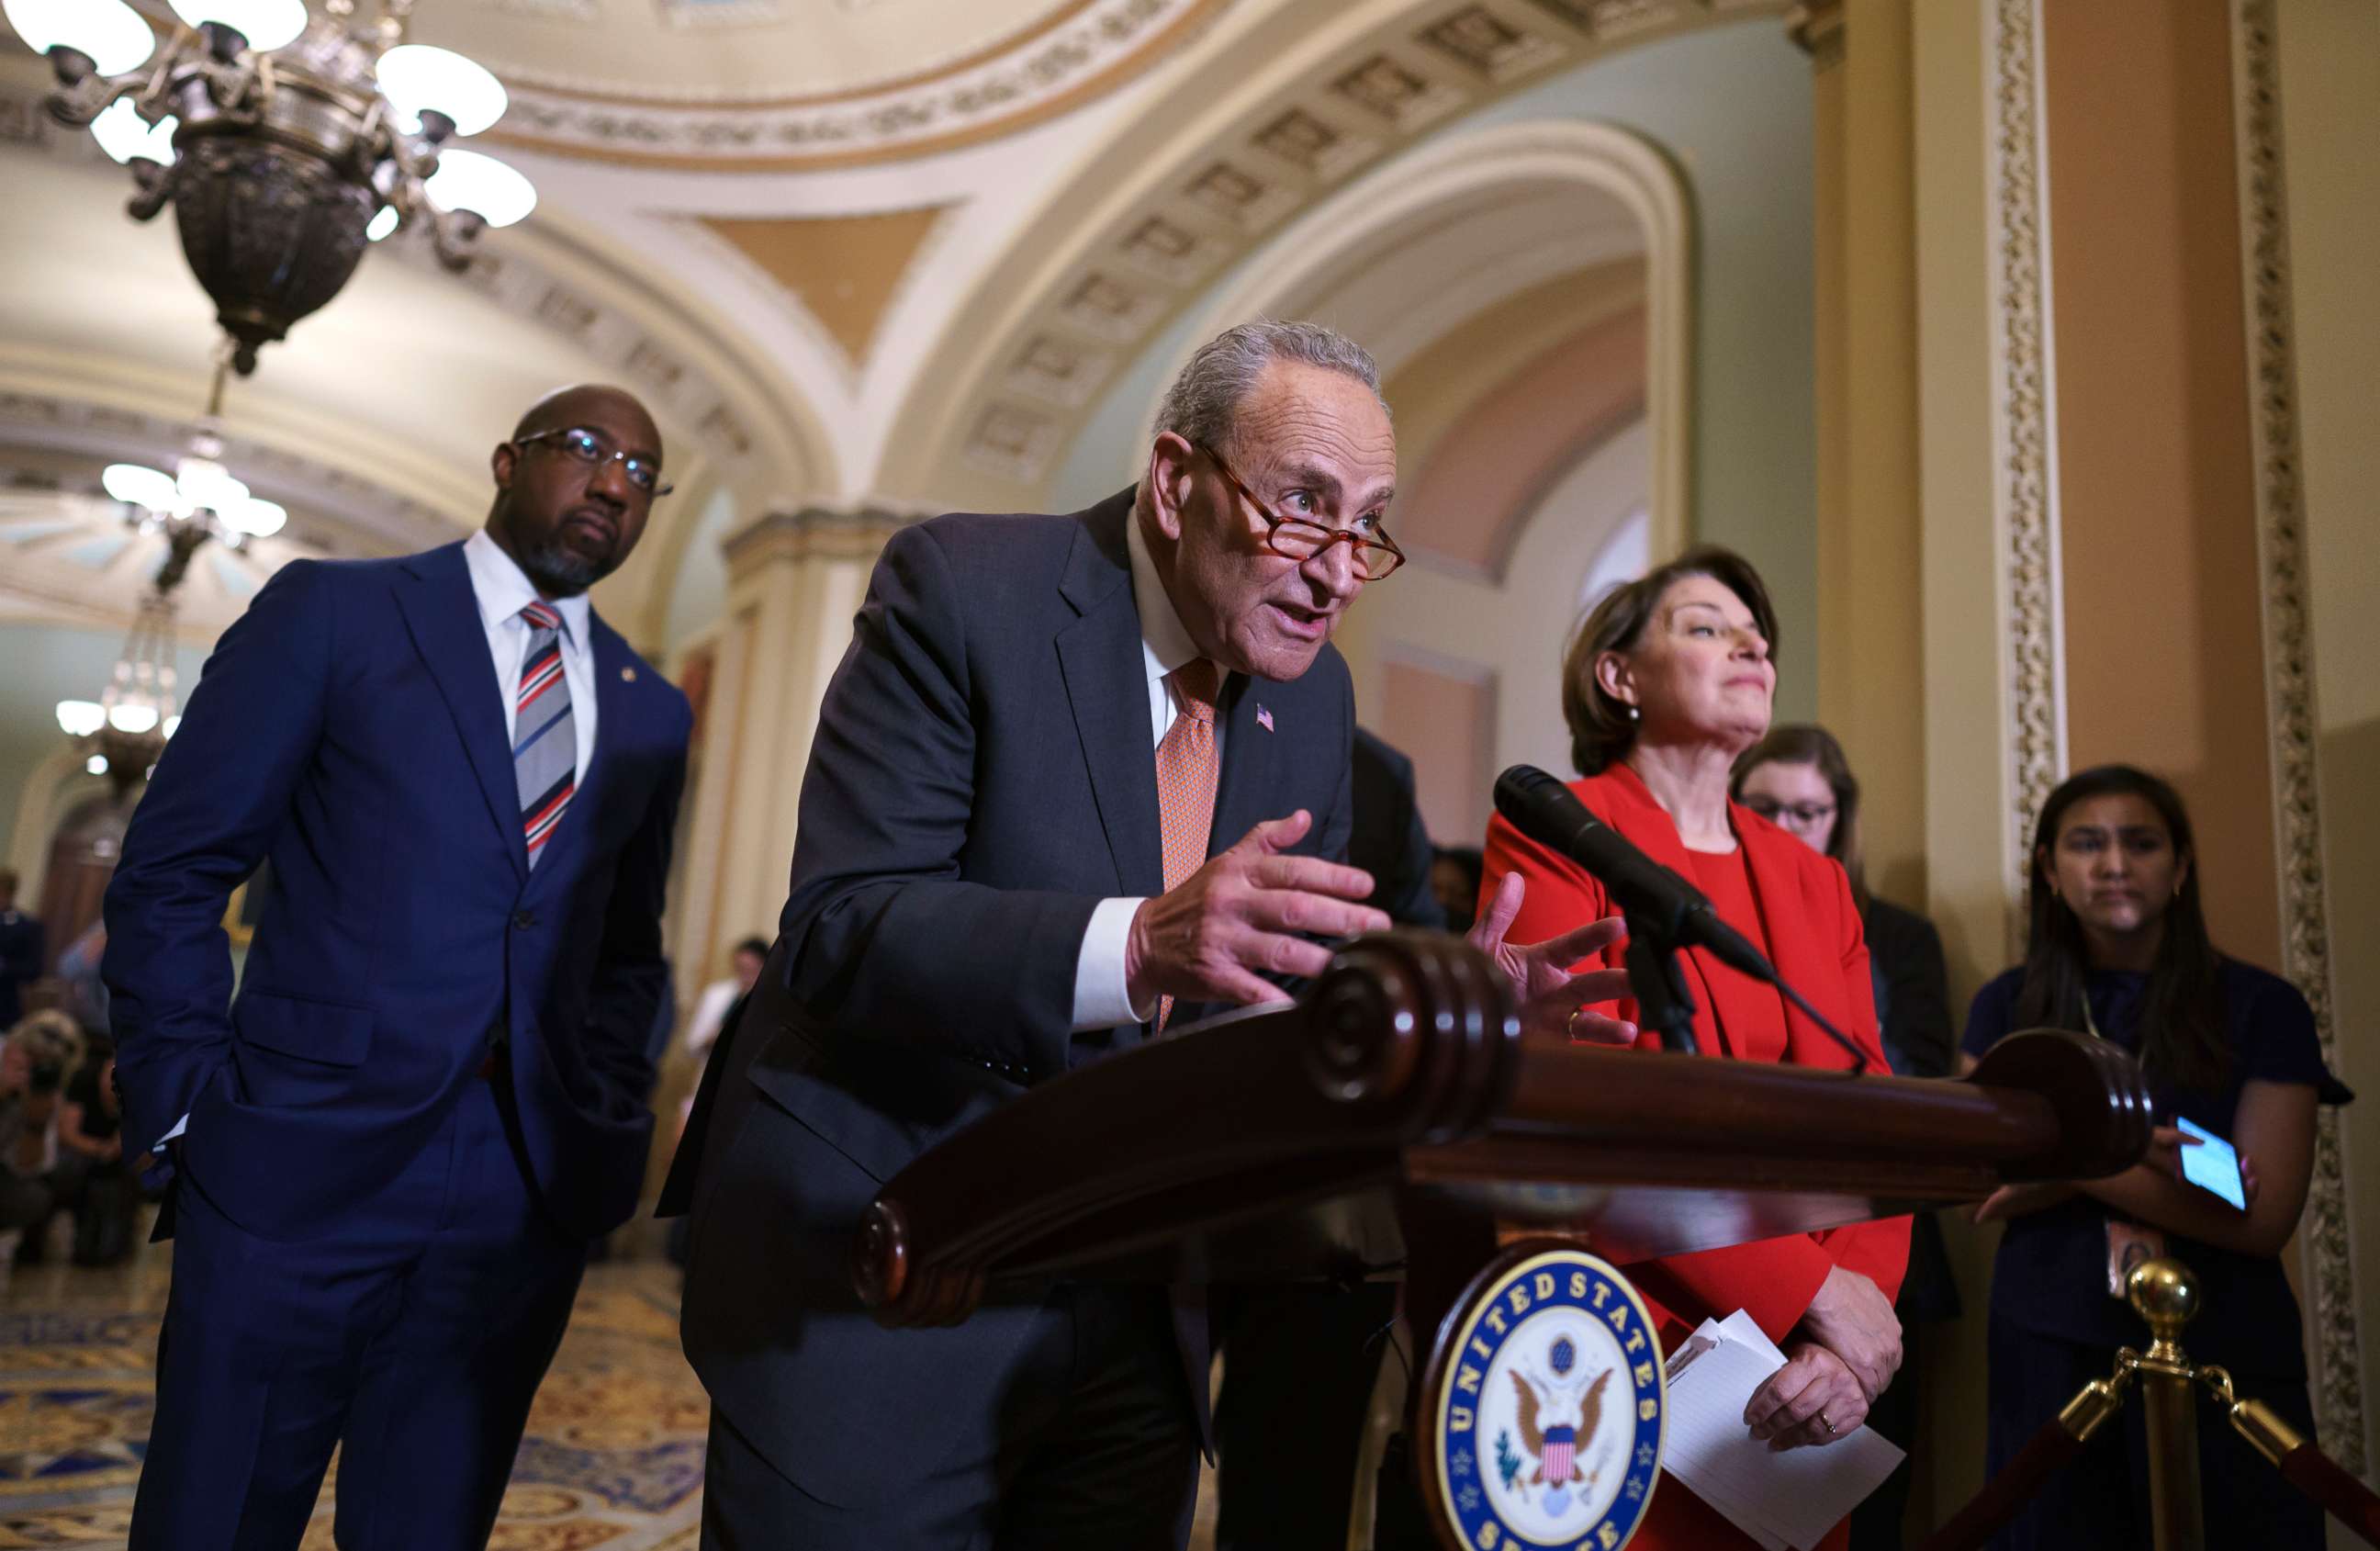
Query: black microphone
(1545, 810)
(1654, 899)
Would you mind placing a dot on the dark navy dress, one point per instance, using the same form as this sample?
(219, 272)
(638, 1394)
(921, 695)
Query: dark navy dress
(2054, 1326)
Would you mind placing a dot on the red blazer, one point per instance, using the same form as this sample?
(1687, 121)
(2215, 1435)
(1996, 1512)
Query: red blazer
(1814, 940)
(1812, 926)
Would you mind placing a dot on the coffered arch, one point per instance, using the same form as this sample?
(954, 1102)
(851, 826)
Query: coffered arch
(1236, 144)
(1588, 222)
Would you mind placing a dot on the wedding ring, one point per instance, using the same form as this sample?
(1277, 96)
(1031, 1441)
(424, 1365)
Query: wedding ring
(1830, 1426)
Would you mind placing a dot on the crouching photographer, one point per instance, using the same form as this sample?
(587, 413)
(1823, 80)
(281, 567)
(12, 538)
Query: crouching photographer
(39, 1055)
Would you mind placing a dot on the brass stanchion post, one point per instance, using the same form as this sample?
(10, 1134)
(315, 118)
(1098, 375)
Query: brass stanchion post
(2164, 1294)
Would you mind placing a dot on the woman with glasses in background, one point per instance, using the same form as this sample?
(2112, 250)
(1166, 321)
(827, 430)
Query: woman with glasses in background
(1798, 779)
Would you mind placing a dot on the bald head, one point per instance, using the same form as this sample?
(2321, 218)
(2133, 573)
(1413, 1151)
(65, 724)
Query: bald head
(575, 485)
(573, 405)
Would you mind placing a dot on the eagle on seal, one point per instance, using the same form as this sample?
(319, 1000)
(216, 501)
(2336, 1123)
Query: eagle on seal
(1558, 1414)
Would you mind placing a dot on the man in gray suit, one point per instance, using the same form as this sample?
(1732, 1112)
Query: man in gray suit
(1078, 778)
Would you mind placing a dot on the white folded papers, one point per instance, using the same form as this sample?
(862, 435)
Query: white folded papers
(1781, 1499)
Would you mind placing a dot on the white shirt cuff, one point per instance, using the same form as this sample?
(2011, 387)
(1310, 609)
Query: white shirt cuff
(1102, 997)
(179, 1126)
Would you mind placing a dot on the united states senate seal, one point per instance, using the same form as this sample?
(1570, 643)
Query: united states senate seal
(1546, 1403)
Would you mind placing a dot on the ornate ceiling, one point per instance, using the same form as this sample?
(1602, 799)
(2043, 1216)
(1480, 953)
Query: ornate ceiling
(1250, 135)
(780, 84)
(849, 251)
(70, 556)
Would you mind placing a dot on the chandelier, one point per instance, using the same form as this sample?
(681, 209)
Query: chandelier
(125, 729)
(286, 141)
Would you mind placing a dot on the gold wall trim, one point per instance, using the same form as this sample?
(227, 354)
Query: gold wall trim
(2025, 431)
(362, 509)
(2289, 689)
(812, 531)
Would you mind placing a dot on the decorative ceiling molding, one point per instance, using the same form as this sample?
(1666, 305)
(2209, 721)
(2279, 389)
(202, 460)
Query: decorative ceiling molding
(684, 398)
(858, 533)
(334, 509)
(844, 270)
(1014, 389)
(933, 47)
(68, 556)
(722, 13)
(1097, 46)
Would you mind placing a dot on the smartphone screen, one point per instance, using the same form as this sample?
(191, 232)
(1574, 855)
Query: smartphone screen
(2212, 1164)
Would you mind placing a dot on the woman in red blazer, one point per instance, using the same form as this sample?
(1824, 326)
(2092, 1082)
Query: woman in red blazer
(1666, 682)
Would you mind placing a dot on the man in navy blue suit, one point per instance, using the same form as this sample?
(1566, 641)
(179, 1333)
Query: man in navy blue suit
(394, 1147)
(1077, 779)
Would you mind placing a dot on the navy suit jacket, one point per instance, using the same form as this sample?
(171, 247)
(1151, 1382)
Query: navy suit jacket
(982, 775)
(350, 728)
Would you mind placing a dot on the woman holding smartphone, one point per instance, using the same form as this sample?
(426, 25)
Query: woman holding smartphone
(2117, 948)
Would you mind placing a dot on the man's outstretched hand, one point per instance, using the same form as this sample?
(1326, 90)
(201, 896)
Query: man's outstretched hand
(1553, 1000)
(1249, 912)
(1244, 915)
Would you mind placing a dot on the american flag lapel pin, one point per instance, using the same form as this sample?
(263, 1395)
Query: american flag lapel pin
(1264, 717)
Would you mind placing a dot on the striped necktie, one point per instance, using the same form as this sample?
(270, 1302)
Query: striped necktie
(545, 740)
(1186, 772)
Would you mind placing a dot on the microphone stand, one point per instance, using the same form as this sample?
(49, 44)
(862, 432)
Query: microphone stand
(1657, 981)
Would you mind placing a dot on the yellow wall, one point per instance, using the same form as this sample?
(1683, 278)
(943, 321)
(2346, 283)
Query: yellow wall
(1966, 714)
(1870, 686)
(2163, 636)
(2331, 84)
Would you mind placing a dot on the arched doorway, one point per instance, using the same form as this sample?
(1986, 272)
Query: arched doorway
(1524, 288)
(82, 856)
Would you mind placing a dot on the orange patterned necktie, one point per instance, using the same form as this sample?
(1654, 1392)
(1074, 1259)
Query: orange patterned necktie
(1186, 770)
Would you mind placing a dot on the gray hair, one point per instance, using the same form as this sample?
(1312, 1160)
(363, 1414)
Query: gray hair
(1203, 405)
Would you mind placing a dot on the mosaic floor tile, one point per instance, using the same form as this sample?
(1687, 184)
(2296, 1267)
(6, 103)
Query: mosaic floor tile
(612, 1458)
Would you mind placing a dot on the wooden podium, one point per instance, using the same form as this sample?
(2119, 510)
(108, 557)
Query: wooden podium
(1396, 1121)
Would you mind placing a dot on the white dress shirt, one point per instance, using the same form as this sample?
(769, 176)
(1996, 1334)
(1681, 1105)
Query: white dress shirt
(1102, 997)
(711, 1015)
(503, 592)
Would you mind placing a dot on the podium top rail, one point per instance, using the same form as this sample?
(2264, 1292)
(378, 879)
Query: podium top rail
(1276, 1143)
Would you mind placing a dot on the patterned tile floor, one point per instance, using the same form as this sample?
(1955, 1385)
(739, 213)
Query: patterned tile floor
(612, 1458)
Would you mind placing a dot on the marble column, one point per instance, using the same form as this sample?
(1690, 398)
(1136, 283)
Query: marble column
(794, 580)
(1868, 651)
